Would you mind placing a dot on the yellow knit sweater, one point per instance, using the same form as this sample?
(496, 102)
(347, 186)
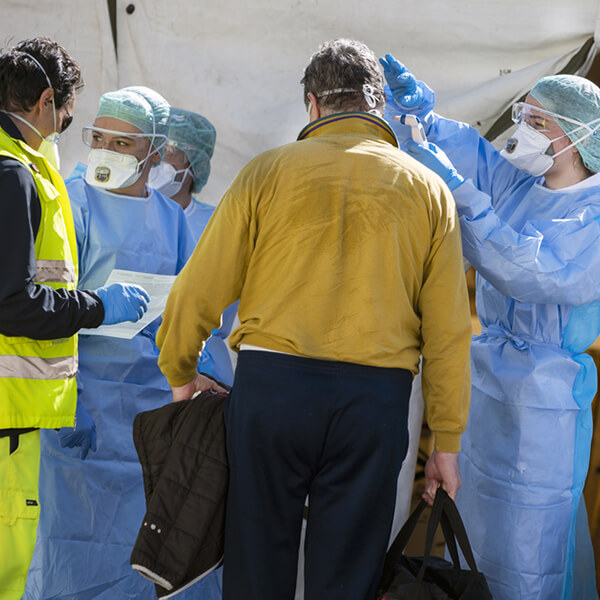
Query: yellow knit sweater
(340, 247)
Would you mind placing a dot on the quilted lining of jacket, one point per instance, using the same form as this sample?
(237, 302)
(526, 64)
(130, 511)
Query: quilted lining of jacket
(181, 447)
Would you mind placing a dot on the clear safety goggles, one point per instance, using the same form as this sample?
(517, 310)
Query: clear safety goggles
(539, 118)
(96, 137)
(175, 149)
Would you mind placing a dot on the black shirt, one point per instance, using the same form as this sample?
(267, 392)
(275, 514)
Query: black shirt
(28, 309)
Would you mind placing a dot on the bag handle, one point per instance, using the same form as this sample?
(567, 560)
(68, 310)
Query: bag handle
(397, 548)
(437, 511)
(444, 510)
(455, 528)
(450, 540)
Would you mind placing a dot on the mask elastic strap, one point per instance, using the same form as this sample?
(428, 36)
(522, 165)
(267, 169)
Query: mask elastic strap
(151, 152)
(187, 170)
(335, 91)
(154, 135)
(583, 137)
(176, 172)
(579, 124)
(367, 89)
(26, 123)
(37, 62)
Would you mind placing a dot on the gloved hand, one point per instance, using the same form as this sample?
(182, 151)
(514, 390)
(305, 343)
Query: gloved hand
(435, 159)
(402, 82)
(83, 435)
(123, 302)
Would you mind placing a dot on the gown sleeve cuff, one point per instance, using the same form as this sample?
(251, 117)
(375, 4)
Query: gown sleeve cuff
(470, 201)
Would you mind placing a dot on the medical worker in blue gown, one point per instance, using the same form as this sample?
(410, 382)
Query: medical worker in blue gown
(183, 172)
(94, 508)
(530, 221)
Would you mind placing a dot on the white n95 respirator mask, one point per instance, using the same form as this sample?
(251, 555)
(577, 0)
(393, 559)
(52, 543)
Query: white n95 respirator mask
(166, 179)
(529, 149)
(112, 170)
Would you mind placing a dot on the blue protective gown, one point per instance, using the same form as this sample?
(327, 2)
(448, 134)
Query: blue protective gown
(525, 453)
(198, 215)
(91, 510)
(215, 358)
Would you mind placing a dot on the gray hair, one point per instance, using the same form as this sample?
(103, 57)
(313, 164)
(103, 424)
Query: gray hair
(338, 75)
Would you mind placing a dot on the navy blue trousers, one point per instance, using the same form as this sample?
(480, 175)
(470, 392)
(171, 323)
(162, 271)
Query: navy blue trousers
(334, 431)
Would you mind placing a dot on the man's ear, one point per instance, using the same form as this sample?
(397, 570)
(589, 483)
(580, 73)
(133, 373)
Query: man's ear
(315, 110)
(45, 98)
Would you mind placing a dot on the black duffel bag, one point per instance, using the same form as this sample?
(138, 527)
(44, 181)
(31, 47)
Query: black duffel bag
(431, 577)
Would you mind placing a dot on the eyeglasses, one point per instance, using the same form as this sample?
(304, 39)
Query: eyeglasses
(66, 121)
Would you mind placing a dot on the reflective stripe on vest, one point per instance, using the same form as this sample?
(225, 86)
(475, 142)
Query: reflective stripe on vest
(34, 367)
(55, 271)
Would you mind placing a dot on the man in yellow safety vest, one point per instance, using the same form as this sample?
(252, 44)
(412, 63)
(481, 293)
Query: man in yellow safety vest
(40, 308)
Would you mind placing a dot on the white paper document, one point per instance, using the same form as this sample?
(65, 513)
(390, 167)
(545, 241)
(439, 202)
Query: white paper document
(157, 286)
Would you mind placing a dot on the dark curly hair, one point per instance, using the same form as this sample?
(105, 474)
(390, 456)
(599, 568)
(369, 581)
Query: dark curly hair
(22, 81)
(344, 64)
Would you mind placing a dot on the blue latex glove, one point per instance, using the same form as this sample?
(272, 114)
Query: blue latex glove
(123, 302)
(83, 435)
(435, 159)
(402, 83)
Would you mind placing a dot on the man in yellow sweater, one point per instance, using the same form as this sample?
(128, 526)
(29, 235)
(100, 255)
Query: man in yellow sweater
(346, 257)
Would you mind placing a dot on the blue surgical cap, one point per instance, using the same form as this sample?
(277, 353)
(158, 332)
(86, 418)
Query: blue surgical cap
(197, 137)
(575, 98)
(141, 107)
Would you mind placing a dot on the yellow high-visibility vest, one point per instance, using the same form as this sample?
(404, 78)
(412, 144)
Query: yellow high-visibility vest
(37, 377)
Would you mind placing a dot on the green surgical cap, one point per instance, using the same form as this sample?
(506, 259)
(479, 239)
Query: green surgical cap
(197, 137)
(575, 98)
(141, 107)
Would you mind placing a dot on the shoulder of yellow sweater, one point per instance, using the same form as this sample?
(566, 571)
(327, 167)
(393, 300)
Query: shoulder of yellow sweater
(261, 166)
(264, 159)
(268, 160)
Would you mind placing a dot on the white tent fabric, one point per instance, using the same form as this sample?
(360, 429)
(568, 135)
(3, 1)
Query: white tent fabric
(240, 64)
(83, 28)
